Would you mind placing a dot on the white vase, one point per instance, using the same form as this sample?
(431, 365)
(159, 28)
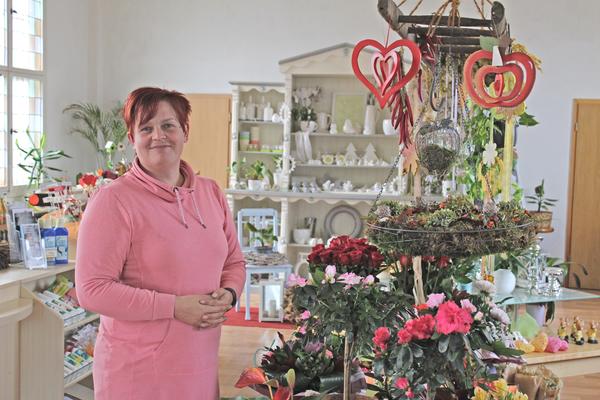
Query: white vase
(370, 115)
(254, 185)
(505, 281)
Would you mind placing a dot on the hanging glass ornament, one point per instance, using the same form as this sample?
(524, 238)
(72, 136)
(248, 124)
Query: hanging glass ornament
(438, 145)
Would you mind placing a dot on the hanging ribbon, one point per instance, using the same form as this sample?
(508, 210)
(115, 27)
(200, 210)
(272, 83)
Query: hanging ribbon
(509, 133)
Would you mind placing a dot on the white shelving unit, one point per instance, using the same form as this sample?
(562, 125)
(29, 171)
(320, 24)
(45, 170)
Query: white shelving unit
(331, 70)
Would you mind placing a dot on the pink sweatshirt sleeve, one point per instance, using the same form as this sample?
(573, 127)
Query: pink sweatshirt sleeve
(234, 268)
(103, 243)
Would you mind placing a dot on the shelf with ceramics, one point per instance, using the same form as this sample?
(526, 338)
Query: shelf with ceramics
(334, 196)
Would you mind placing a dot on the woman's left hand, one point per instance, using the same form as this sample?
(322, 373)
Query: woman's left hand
(220, 297)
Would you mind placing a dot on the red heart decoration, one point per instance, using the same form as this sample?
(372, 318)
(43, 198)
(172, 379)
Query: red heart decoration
(523, 86)
(386, 70)
(499, 71)
(385, 92)
(499, 83)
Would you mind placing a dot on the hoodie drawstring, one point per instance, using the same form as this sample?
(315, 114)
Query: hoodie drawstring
(181, 211)
(198, 211)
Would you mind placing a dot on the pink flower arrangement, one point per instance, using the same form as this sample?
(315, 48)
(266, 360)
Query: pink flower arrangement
(349, 279)
(305, 315)
(467, 305)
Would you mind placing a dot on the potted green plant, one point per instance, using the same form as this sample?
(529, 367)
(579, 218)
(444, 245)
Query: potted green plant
(36, 157)
(255, 174)
(542, 213)
(105, 130)
(264, 236)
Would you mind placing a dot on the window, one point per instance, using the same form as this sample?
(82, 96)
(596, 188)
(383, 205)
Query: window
(21, 84)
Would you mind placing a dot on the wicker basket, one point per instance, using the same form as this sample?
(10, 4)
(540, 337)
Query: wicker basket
(452, 243)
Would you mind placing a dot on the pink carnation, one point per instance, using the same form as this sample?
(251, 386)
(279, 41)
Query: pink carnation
(451, 318)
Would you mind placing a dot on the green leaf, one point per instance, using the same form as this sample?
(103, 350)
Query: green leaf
(290, 377)
(527, 120)
(443, 344)
(488, 42)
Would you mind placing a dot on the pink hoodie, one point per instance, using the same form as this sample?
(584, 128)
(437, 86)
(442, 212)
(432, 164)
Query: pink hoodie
(140, 244)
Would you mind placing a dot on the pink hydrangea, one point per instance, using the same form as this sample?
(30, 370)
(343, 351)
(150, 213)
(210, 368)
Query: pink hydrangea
(435, 299)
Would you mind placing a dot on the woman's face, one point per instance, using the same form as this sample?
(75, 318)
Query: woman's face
(159, 142)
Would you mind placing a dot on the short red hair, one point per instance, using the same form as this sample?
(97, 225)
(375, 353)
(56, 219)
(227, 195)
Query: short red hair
(141, 105)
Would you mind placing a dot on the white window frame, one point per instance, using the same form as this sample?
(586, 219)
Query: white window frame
(8, 71)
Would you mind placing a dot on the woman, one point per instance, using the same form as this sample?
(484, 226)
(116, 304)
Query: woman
(158, 259)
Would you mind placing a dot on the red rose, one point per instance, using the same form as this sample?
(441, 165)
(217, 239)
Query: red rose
(356, 256)
(314, 257)
(326, 256)
(343, 259)
(404, 336)
(376, 259)
(382, 335)
(109, 174)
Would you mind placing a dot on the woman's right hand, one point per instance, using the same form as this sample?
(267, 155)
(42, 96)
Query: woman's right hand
(189, 310)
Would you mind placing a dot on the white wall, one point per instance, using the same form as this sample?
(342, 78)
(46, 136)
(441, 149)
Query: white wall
(199, 45)
(68, 77)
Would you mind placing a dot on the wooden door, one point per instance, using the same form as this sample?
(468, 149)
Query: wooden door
(207, 149)
(583, 225)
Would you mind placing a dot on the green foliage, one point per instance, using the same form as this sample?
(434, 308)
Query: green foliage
(257, 171)
(264, 235)
(441, 218)
(539, 199)
(35, 159)
(99, 127)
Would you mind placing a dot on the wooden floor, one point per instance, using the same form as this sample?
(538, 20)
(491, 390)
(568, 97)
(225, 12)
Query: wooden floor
(239, 346)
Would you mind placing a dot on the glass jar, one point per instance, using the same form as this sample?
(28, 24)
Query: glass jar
(438, 146)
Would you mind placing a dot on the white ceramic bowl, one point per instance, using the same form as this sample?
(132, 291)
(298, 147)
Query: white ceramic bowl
(301, 236)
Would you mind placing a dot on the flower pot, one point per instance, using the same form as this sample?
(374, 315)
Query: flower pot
(263, 249)
(543, 220)
(254, 185)
(505, 281)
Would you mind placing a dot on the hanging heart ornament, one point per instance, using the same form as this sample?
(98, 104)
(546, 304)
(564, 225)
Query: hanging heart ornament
(385, 63)
(519, 65)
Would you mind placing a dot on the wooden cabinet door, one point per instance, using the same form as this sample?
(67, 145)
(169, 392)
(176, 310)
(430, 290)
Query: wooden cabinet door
(583, 227)
(207, 149)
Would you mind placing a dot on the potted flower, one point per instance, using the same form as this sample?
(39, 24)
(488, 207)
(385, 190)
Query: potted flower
(256, 174)
(439, 349)
(344, 298)
(542, 214)
(303, 101)
(264, 236)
